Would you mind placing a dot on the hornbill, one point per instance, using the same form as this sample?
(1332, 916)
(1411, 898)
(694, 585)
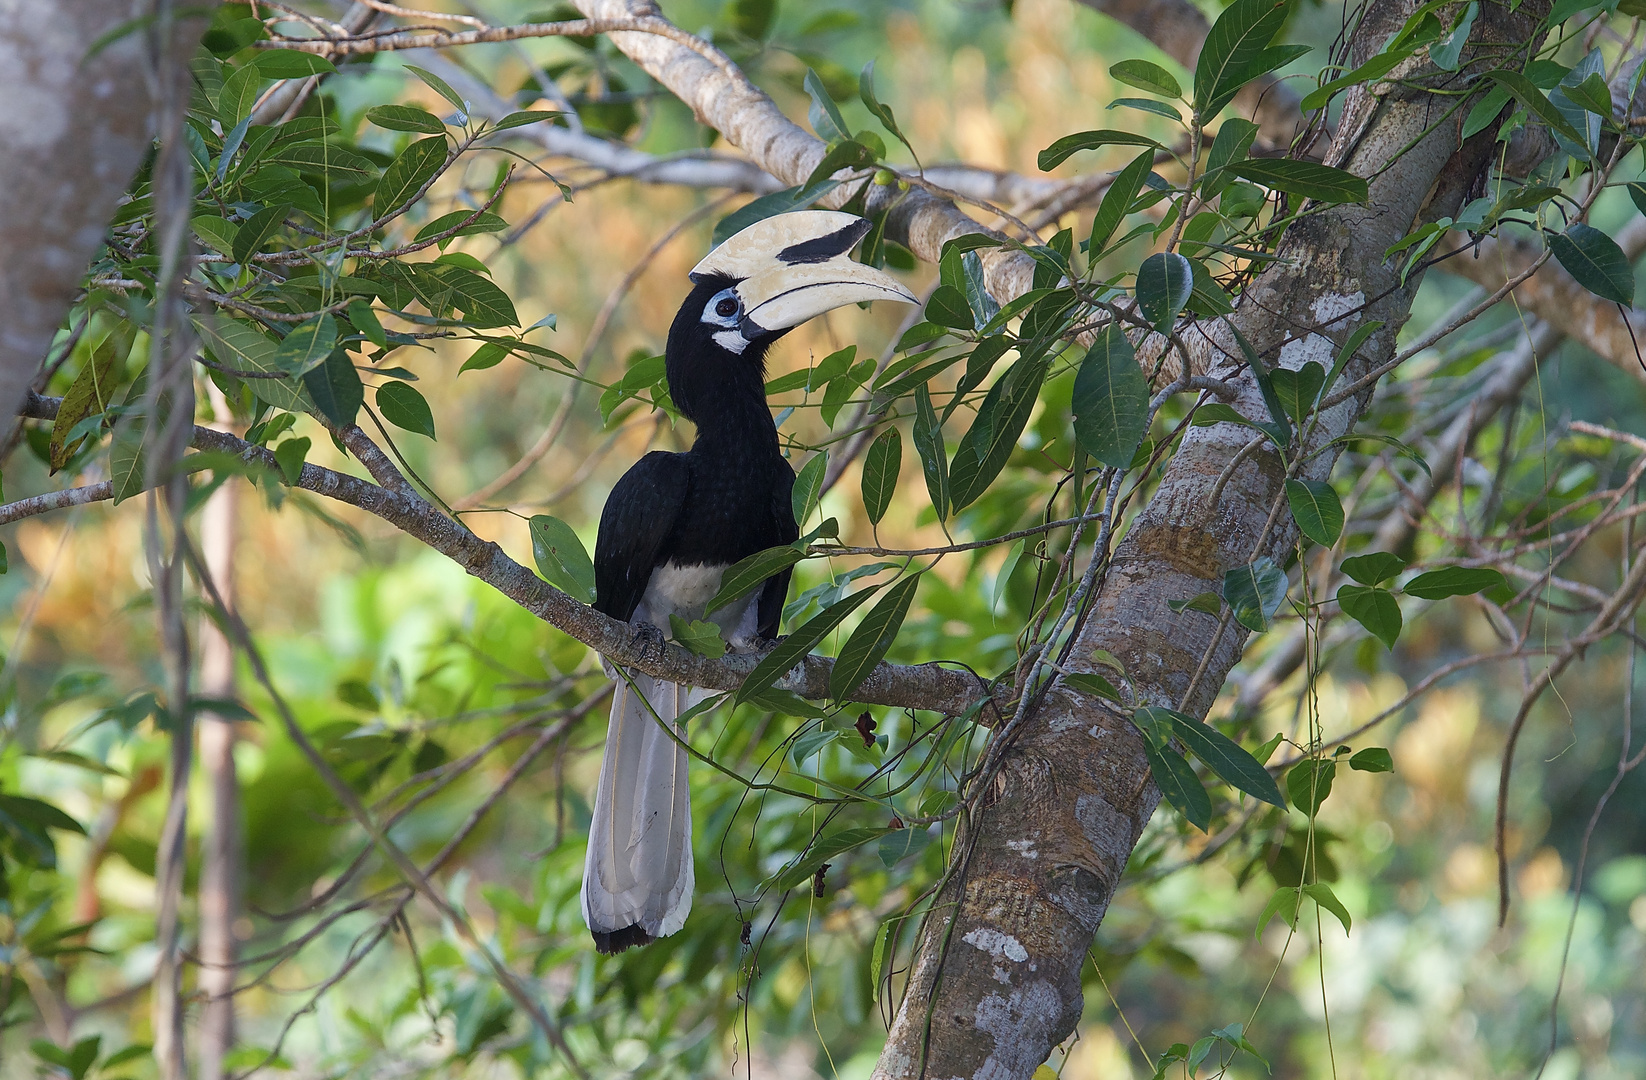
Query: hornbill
(675, 522)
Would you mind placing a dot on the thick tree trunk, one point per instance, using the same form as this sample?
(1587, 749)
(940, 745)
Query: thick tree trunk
(73, 129)
(995, 984)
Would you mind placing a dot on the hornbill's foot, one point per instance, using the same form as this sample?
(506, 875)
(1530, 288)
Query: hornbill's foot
(647, 639)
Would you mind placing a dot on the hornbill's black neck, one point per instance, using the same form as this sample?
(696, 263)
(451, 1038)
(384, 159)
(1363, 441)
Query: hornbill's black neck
(721, 391)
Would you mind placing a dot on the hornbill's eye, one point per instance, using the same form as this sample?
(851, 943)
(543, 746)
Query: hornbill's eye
(726, 308)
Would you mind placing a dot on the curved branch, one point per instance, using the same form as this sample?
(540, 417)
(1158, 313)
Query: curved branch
(924, 686)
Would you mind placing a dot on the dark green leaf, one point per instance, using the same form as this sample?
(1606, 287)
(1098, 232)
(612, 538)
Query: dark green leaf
(1178, 783)
(289, 456)
(333, 389)
(881, 466)
(1255, 593)
(1146, 76)
(1282, 431)
(1373, 567)
(808, 487)
(1061, 150)
(793, 649)
(934, 458)
(868, 643)
(1595, 260)
(1298, 389)
(1233, 765)
(1453, 581)
(1209, 602)
(1375, 609)
(128, 461)
(748, 574)
(238, 95)
(821, 852)
(256, 229)
(1000, 420)
(364, 320)
(488, 355)
(1207, 297)
(948, 307)
(1111, 400)
(306, 346)
(1148, 105)
(1082, 682)
(402, 406)
(1316, 509)
(239, 346)
(521, 119)
(438, 85)
(1234, 139)
(1305, 179)
(1164, 284)
(484, 305)
(1321, 893)
(1233, 53)
(1286, 902)
(899, 844)
(1372, 70)
(481, 223)
(698, 636)
(292, 64)
(41, 813)
(1637, 195)
(561, 557)
(1309, 782)
(406, 118)
(1372, 759)
(1117, 201)
(407, 174)
(1530, 96)
(824, 114)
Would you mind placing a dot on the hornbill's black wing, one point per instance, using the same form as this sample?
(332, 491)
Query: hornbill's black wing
(638, 517)
(776, 589)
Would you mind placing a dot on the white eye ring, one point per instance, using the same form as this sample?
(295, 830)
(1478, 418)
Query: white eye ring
(725, 308)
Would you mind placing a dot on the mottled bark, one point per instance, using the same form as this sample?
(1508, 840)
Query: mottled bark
(995, 982)
(73, 129)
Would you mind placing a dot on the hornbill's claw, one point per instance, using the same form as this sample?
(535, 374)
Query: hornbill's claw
(646, 639)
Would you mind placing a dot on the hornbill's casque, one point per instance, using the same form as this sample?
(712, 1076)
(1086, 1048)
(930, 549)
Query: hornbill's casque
(675, 522)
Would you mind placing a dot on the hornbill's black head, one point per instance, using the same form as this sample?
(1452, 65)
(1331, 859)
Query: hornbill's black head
(753, 289)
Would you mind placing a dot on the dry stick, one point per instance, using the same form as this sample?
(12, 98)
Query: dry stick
(345, 795)
(597, 330)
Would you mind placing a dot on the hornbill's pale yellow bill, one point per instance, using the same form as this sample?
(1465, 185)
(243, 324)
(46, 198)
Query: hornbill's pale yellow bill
(676, 521)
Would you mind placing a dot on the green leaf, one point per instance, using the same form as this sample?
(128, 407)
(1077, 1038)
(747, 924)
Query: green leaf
(1207, 297)
(1111, 400)
(1298, 389)
(877, 961)
(128, 461)
(292, 64)
(1164, 284)
(1209, 602)
(1117, 201)
(794, 648)
(1372, 70)
(868, 643)
(1146, 76)
(750, 573)
(1148, 105)
(821, 852)
(1595, 260)
(1061, 150)
(438, 85)
(824, 114)
(306, 346)
(488, 355)
(1375, 609)
(561, 557)
(1001, 418)
(333, 390)
(1637, 194)
(1347, 352)
(402, 406)
(1085, 682)
(934, 459)
(697, 635)
(1305, 179)
(1373, 567)
(256, 229)
(948, 307)
(484, 305)
(481, 223)
(1178, 783)
(91, 393)
(1453, 581)
(1321, 893)
(364, 320)
(289, 455)
(239, 346)
(1286, 902)
(1225, 757)
(883, 113)
(1255, 593)
(238, 95)
(1234, 139)
(521, 119)
(899, 844)
(407, 174)
(1529, 95)
(881, 466)
(1309, 782)
(1282, 430)
(808, 487)
(406, 118)
(1372, 759)
(41, 813)
(1316, 509)
(1233, 54)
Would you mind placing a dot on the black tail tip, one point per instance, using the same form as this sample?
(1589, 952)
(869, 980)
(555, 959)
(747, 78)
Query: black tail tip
(618, 940)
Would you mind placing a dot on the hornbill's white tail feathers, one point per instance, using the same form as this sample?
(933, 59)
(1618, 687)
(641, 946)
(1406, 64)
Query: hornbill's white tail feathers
(637, 879)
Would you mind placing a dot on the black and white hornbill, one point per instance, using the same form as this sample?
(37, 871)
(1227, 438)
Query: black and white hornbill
(675, 522)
